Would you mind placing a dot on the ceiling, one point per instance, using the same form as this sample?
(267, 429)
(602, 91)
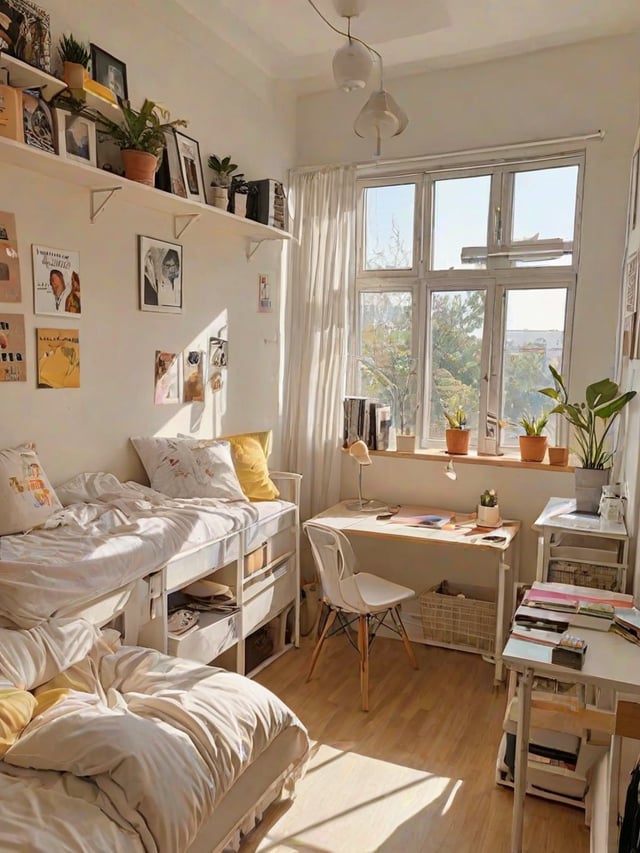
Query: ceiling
(287, 39)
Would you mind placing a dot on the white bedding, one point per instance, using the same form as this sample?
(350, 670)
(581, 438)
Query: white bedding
(143, 747)
(120, 533)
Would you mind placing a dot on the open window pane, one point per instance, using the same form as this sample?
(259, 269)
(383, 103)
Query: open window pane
(387, 366)
(533, 339)
(460, 217)
(456, 320)
(389, 227)
(544, 209)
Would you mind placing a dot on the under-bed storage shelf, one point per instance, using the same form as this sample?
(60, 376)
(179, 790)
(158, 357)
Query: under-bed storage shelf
(213, 635)
(265, 597)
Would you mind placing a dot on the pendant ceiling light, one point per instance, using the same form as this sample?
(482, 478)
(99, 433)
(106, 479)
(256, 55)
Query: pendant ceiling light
(381, 117)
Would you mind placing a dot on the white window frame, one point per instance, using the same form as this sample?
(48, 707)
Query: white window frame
(497, 278)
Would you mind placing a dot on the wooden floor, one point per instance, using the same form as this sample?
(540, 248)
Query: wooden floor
(416, 773)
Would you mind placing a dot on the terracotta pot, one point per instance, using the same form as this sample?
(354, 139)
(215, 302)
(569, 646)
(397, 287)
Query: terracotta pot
(74, 74)
(139, 166)
(220, 197)
(457, 441)
(406, 443)
(532, 447)
(558, 456)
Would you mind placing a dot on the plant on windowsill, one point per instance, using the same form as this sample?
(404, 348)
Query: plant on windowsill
(533, 444)
(457, 435)
(592, 421)
(140, 137)
(74, 56)
(403, 396)
(488, 509)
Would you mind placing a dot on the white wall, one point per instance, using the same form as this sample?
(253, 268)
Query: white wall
(232, 109)
(552, 93)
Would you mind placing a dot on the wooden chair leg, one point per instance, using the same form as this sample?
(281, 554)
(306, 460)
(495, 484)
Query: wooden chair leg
(363, 647)
(405, 640)
(331, 618)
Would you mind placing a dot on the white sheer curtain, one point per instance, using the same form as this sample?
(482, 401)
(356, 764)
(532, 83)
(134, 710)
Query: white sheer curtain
(317, 327)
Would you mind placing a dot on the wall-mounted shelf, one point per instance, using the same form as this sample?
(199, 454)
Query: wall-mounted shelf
(101, 184)
(25, 76)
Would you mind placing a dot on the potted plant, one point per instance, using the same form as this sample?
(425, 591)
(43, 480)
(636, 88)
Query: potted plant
(457, 435)
(140, 137)
(74, 56)
(223, 170)
(488, 509)
(592, 421)
(533, 444)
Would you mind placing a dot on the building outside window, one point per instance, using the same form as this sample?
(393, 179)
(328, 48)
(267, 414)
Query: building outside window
(465, 289)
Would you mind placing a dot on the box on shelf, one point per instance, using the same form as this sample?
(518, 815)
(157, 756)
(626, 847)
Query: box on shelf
(460, 616)
(581, 574)
(258, 558)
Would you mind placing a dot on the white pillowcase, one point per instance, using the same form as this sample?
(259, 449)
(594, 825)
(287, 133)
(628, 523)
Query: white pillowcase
(27, 498)
(188, 468)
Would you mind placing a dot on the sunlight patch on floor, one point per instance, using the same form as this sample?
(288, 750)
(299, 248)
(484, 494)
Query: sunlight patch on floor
(350, 802)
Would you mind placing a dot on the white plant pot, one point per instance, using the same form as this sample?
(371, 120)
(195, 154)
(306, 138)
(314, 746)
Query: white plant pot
(488, 516)
(220, 197)
(588, 485)
(406, 443)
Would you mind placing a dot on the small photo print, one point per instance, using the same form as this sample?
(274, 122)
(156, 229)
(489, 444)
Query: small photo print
(58, 353)
(194, 361)
(168, 375)
(264, 295)
(10, 290)
(56, 281)
(160, 275)
(13, 362)
(7, 227)
(217, 352)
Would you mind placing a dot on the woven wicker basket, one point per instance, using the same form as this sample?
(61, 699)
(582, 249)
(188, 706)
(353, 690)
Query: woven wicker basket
(468, 622)
(582, 574)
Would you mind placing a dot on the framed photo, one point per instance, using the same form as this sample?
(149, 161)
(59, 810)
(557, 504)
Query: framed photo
(160, 275)
(56, 281)
(38, 122)
(25, 32)
(13, 354)
(109, 71)
(58, 352)
(75, 136)
(191, 166)
(10, 289)
(169, 175)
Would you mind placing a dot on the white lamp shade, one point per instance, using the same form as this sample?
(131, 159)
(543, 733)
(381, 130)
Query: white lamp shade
(381, 117)
(349, 8)
(352, 66)
(360, 452)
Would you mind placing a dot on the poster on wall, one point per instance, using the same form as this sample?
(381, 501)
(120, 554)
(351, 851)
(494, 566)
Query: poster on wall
(10, 290)
(56, 281)
(217, 353)
(194, 361)
(58, 353)
(13, 361)
(160, 275)
(167, 378)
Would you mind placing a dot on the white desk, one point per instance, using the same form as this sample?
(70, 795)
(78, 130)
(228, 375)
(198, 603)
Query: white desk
(610, 662)
(506, 553)
(604, 543)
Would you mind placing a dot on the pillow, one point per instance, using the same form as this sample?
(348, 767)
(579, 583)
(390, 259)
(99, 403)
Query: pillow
(16, 709)
(27, 498)
(250, 451)
(188, 468)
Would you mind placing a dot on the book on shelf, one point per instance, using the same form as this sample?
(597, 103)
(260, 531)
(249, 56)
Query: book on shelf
(535, 635)
(356, 420)
(626, 623)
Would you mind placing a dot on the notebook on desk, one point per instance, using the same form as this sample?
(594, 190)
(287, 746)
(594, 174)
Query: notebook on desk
(419, 516)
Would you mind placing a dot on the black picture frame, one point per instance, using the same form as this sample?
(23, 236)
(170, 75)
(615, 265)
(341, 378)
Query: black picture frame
(160, 274)
(109, 71)
(25, 32)
(191, 166)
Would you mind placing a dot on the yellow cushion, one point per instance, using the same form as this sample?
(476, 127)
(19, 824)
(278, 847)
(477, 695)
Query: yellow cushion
(46, 699)
(16, 709)
(249, 451)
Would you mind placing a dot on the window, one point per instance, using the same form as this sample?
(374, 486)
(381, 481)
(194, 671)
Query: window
(465, 290)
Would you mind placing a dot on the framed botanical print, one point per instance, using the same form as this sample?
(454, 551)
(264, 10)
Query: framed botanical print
(191, 165)
(109, 71)
(160, 275)
(25, 32)
(76, 137)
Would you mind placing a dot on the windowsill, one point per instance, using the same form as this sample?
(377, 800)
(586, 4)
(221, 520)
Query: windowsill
(472, 458)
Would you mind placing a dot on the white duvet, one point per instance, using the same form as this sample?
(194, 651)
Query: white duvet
(145, 743)
(121, 533)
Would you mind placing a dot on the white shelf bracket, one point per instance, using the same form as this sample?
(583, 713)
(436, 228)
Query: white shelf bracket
(96, 207)
(250, 252)
(189, 218)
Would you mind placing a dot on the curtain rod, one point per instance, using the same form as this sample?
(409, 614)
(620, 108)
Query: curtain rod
(465, 152)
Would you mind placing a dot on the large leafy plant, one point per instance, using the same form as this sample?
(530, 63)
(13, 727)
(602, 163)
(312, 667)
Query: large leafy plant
(140, 130)
(533, 425)
(592, 419)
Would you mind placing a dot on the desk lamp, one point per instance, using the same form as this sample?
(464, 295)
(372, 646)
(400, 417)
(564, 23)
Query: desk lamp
(360, 452)
(450, 471)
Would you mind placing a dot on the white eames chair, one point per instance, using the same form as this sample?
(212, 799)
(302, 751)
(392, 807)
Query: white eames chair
(352, 595)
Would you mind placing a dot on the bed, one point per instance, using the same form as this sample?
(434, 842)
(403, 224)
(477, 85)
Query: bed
(123, 748)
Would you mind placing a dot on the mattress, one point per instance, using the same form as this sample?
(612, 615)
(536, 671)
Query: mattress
(138, 751)
(111, 535)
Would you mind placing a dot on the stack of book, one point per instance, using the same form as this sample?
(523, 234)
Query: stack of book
(548, 607)
(627, 623)
(367, 420)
